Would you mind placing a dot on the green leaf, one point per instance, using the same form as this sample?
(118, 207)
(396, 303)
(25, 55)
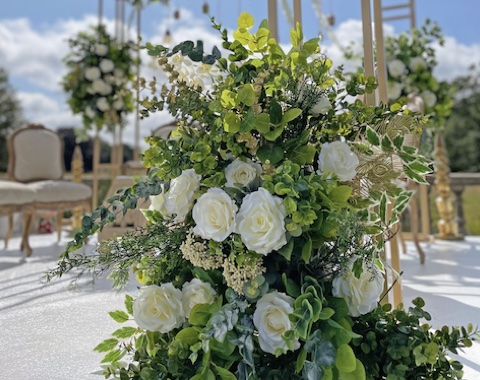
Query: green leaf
(387, 144)
(292, 288)
(262, 37)
(303, 154)
(113, 356)
(325, 354)
(188, 335)
(275, 112)
(311, 371)
(383, 207)
(225, 374)
(273, 153)
(420, 168)
(345, 360)
(326, 313)
(372, 137)
(227, 99)
(291, 114)
(302, 356)
(340, 194)
(357, 374)
(119, 316)
(262, 123)
(106, 345)
(275, 133)
(246, 95)
(286, 250)
(200, 315)
(129, 303)
(245, 20)
(125, 332)
(231, 123)
(307, 250)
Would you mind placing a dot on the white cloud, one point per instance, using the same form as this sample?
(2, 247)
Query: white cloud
(454, 58)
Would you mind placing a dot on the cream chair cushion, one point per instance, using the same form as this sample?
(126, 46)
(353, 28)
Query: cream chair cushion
(60, 191)
(38, 154)
(13, 193)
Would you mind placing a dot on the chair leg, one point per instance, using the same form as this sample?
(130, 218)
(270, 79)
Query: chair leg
(59, 225)
(27, 224)
(414, 223)
(10, 230)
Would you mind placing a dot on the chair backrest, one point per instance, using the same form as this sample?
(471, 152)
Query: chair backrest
(35, 153)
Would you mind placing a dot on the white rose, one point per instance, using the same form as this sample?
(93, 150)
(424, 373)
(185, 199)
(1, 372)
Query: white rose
(100, 87)
(214, 215)
(394, 90)
(322, 106)
(102, 104)
(242, 173)
(106, 65)
(159, 308)
(180, 195)
(118, 104)
(416, 63)
(109, 78)
(272, 321)
(89, 112)
(118, 73)
(260, 222)
(338, 158)
(101, 50)
(197, 292)
(429, 98)
(396, 68)
(361, 294)
(159, 203)
(92, 73)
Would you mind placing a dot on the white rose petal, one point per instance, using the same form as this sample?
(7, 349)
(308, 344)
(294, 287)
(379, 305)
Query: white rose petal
(338, 158)
(361, 294)
(100, 87)
(118, 104)
(214, 215)
(396, 68)
(197, 292)
(159, 203)
(180, 195)
(416, 63)
(101, 50)
(90, 112)
(322, 106)
(159, 308)
(106, 65)
(242, 173)
(92, 73)
(260, 222)
(118, 73)
(394, 90)
(102, 104)
(272, 321)
(429, 98)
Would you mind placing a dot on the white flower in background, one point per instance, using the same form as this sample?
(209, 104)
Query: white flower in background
(180, 199)
(92, 73)
(429, 98)
(196, 292)
(90, 90)
(416, 63)
(396, 68)
(322, 106)
(159, 203)
(361, 294)
(101, 50)
(260, 222)
(272, 321)
(394, 90)
(118, 73)
(106, 65)
(159, 308)
(242, 173)
(214, 215)
(109, 78)
(100, 87)
(102, 104)
(89, 112)
(118, 104)
(338, 158)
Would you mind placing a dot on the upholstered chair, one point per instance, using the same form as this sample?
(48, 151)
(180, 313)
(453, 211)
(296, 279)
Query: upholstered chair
(35, 157)
(17, 197)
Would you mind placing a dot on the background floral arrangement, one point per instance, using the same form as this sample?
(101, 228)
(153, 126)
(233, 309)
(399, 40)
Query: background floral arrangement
(261, 258)
(410, 64)
(98, 83)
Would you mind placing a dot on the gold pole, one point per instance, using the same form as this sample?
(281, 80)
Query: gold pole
(136, 149)
(96, 164)
(77, 174)
(100, 12)
(297, 12)
(273, 19)
(368, 47)
(380, 50)
(413, 23)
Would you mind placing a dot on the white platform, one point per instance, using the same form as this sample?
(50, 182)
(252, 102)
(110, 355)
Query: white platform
(49, 331)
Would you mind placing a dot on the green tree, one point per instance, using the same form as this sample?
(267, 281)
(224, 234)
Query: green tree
(462, 130)
(10, 115)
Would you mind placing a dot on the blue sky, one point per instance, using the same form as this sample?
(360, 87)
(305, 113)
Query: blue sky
(33, 38)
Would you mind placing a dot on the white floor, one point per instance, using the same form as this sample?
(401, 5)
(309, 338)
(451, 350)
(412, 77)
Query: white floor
(48, 331)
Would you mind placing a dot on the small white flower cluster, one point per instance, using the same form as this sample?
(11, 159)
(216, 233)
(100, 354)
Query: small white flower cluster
(194, 74)
(164, 308)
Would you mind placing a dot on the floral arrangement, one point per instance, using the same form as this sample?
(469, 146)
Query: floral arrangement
(261, 256)
(100, 72)
(411, 61)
